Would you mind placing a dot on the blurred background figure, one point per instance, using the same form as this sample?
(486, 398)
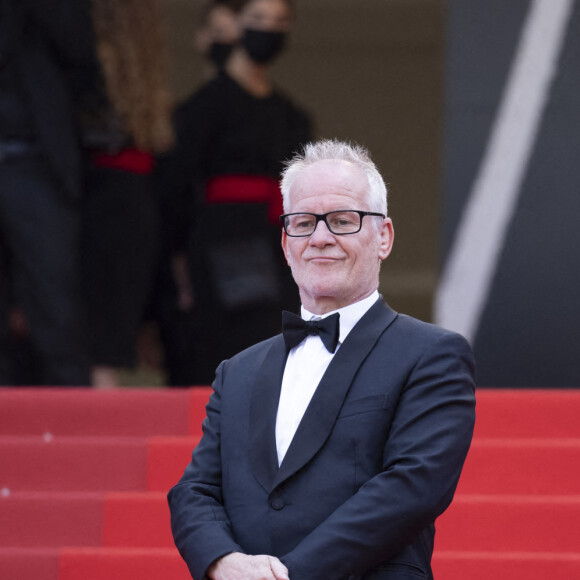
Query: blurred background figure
(125, 117)
(42, 44)
(217, 32)
(222, 182)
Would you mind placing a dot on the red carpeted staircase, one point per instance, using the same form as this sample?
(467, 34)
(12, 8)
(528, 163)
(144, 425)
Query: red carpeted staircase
(84, 474)
(83, 479)
(516, 513)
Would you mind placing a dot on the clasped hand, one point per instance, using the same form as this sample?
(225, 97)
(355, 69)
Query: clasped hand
(237, 566)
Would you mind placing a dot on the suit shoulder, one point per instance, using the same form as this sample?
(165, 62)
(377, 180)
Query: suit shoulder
(253, 353)
(416, 345)
(241, 368)
(426, 332)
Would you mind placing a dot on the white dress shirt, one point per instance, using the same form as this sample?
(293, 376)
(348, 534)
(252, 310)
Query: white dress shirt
(304, 369)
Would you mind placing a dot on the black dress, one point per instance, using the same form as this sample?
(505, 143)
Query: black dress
(231, 236)
(120, 230)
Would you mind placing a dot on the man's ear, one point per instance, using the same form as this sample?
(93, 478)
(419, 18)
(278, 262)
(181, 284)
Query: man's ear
(284, 246)
(387, 238)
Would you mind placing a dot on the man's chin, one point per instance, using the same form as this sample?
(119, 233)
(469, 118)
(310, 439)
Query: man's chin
(323, 290)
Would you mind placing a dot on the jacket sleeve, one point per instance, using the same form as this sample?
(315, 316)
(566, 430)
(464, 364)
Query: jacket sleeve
(180, 172)
(422, 460)
(200, 526)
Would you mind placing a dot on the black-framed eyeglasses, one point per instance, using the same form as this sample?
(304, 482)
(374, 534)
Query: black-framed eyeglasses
(339, 222)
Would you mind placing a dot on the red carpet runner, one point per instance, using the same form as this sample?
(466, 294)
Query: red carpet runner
(83, 478)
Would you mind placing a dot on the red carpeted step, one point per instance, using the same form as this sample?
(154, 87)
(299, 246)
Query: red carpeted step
(72, 464)
(122, 564)
(511, 523)
(28, 563)
(133, 520)
(51, 520)
(522, 466)
(524, 413)
(124, 412)
(167, 458)
(506, 566)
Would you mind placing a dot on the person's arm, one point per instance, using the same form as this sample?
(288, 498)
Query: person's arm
(180, 172)
(199, 522)
(422, 460)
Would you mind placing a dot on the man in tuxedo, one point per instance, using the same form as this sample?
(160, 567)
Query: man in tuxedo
(329, 451)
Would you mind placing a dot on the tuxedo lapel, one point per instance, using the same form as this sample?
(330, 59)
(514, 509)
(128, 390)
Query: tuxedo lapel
(327, 400)
(263, 411)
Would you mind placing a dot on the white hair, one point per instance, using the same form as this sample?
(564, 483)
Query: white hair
(335, 150)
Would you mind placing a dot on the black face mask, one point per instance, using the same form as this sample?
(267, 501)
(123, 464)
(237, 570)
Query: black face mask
(263, 46)
(219, 52)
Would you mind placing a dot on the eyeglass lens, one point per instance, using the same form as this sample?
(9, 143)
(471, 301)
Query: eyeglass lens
(338, 222)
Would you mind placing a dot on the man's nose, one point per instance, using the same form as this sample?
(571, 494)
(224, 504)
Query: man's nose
(321, 235)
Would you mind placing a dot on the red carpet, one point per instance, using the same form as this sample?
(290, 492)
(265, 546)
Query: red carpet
(83, 478)
(516, 513)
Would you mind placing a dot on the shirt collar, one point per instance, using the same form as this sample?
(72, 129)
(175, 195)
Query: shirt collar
(349, 315)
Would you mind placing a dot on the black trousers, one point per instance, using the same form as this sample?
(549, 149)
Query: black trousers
(40, 271)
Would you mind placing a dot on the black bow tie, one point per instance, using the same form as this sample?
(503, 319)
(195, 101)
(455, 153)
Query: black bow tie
(295, 330)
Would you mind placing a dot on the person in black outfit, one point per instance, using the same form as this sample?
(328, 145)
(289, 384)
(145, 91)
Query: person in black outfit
(125, 120)
(233, 136)
(42, 44)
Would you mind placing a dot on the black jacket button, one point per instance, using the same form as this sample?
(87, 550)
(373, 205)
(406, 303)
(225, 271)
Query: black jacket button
(277, 503)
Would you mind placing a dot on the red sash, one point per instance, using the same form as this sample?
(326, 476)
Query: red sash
(246, 189)
(131, 160)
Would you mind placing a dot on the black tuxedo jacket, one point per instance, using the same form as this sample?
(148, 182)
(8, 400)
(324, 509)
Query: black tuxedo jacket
(374, 461)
